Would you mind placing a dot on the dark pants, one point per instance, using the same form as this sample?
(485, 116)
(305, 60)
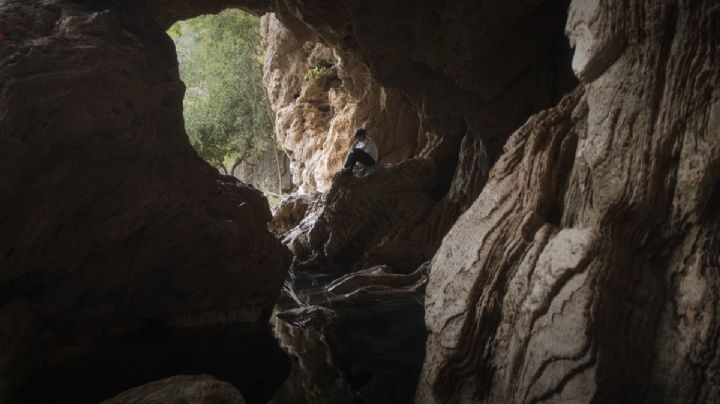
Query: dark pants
(359, 155)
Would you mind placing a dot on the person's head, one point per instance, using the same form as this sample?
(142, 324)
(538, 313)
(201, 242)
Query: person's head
(360, 134)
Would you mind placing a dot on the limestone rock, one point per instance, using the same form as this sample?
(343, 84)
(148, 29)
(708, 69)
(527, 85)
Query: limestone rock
(363, 215)
(351, 313)
(540, 152)
(123, 256)
(586, 270)
(270, 172)
(321, 95)
(449, 60)
(400, 70)
(181, 389)
(358, 337)
(294, 210)
(167, 12)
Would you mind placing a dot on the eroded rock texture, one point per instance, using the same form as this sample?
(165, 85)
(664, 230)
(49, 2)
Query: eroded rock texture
(587, 269)
(357, 337)
(362, 216)
(450, 60)
(321, 95)
(124, 257)
(393, 216)
(351, 313)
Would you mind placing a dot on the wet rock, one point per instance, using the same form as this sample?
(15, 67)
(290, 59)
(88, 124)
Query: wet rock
(124, 257)
(365, 331)
(354, 329)
(181, 389)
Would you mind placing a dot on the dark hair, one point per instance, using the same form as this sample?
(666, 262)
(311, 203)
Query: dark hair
(360, 132)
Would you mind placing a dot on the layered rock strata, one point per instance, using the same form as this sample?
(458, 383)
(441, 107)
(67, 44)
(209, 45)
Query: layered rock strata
(357, 337)
(396, 215)
(587, 269)
(351, 315)
(422, 52)
(124, 257)
(321, 96)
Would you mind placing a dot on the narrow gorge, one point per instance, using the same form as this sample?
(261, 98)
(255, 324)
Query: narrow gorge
(543, 224)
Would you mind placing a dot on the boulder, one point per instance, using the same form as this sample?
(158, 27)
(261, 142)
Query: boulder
(362, 217)
(124, 256)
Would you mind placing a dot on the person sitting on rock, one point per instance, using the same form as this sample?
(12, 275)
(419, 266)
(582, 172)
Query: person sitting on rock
(362, 150)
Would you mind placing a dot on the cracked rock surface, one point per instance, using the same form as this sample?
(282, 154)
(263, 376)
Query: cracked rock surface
(587, 269)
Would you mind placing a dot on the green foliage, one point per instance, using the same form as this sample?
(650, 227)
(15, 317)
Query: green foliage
(316, 72)
(227, 116)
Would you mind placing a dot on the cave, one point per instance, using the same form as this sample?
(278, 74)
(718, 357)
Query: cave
(541, 226)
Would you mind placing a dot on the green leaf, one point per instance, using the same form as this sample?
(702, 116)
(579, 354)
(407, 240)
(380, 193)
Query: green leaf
(226, 107)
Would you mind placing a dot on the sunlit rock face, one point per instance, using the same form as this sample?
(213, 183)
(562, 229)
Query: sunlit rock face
(124, 257)
(321, 96)
(394, 216)
(587, 269)
(449, 63)
(450, 60)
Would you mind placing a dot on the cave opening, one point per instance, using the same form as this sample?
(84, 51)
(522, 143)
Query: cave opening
(478, 261)
(226, 111)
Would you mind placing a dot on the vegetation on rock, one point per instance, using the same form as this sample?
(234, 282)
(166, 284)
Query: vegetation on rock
(227, 116)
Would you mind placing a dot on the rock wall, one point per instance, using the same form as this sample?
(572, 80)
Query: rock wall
(587, 269)
(394, 216)
(123, 256)
(321, 96)
(411, 54)
(450, 60)
(269, 173)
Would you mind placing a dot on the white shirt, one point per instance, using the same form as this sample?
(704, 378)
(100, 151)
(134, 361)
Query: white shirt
(368, 146)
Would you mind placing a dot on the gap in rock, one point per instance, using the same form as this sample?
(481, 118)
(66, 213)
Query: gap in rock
(227, 116)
